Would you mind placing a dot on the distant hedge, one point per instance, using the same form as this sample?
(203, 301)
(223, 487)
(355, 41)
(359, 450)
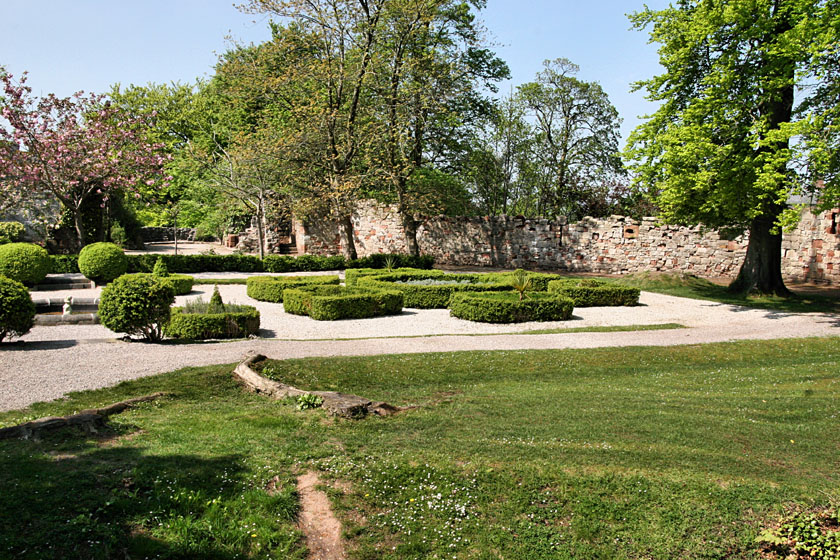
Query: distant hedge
(539, 280)
(595, 293)
(329, 303)
(270, 288)
(250, 263)
(352, 275)
(506, 307)
(433, 295)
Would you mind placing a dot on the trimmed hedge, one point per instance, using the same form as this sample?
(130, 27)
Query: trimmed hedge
(434, 296)
(539, 280)
(26, 263)
(329, 303)
(352, 275)
(102, 262)
(137, 304)
(203, 326)
(181, 283)
(270, 288)
(64, 264)
(595, 293)
(506, 307)
(17, 312)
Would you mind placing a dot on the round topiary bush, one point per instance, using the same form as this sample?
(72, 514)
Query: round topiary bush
(102, 262)
(329, 303)
(17, 312)
(137, 304)
(507, 307)
(25, 262)
(270, 288)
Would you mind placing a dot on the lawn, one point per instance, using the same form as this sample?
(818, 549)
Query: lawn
(683, 452)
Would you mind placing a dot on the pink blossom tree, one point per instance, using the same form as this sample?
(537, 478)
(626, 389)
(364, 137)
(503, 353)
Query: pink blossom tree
(71, 149)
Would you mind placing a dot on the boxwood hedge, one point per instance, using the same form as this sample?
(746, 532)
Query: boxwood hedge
(352, 275)
(595, 293)
(137, 304)
(17, 312)
(329, 303)
(506, 307)
(434, 295)
(270, 288)
(237, 321)
(25, 262)
(539, 280)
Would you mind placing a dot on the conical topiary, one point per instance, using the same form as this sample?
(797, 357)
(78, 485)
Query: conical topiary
(216, 303)
(160, 269)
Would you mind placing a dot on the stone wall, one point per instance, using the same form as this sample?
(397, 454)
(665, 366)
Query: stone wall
(614, 245)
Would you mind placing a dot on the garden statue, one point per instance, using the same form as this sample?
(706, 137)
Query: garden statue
(68, 306)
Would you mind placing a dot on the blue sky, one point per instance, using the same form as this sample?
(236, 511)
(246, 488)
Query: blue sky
(72, 45)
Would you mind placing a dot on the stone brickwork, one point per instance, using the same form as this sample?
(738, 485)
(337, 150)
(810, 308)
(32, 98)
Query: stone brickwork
(614, 245)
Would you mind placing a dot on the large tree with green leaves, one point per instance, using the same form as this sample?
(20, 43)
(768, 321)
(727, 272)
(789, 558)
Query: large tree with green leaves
(720, 150)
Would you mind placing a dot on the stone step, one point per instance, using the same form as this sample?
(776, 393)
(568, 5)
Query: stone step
(72, 281)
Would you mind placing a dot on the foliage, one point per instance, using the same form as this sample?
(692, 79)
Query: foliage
(429, 296)
(69, 149)
(352, 275)
(137, 304)
(521, 282)
(24, 262)
(331, 303)
(308, 401)
(181, 283)
(216, 304)
(539, 280)
(718, 150)
(11, 232)
(102, 262)
(270, 288)
(507, 307)
(804, 534)
(198, 320)
(160, 269)
(302, 263)
(64, 264)
(595, 293)
(17, 312)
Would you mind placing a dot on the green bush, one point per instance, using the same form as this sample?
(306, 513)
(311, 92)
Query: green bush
(595, 293)
(11, 232)
(506, 307)
(352, 275)
(434, 294)
(102, 262)
(137, 304)
(25, 262)
(17, 312)
(397, 260)
(539, 280)
(234, 321)
(160, 269)
(329, 303)
(64, 264)
(270, 288)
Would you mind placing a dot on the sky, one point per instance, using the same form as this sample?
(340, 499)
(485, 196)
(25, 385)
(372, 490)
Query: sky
(89, 45)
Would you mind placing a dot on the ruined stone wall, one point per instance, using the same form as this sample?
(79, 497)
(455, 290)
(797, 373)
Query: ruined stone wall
(613, 245)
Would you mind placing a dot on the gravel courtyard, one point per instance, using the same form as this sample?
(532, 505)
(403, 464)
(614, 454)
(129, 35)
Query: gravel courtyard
(49, 362)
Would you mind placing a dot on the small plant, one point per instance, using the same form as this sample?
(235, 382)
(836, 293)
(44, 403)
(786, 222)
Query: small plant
(521, 283)
(25, 262)
(160, 269)
(804, 534)
(102, 262)
(308, 400)
(216, 303)
(390, 263)
(17, 311)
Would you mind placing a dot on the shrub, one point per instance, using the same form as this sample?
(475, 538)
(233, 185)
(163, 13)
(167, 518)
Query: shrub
(506, 307)
(539, 280)
(270, 288)
(352, 275)
(181, 283)
(434, 294)
(11, 232)
(17, 312)
(201, 321)
(396, 260)
(63, 264)
(102, 262)
(329, 303)
(137, 304)
(160, 269)
(25, 262)
(595, 293)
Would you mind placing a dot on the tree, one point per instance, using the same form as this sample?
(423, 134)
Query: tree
(719, 150)
(72, 149)
(576, 138)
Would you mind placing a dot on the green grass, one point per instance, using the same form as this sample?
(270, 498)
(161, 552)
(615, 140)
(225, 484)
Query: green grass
(613, 328)
(699, 288)
(682, 452)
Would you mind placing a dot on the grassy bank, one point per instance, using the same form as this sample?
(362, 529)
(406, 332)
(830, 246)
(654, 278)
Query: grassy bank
(681, 452)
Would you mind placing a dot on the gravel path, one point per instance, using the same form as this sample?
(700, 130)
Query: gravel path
(52, 361)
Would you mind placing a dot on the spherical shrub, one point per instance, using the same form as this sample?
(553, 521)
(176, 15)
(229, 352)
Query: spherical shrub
(17, 312)
(102, 262)
(137, 304)
(25, 262)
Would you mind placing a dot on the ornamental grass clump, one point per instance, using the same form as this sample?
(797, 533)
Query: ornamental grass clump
(138, 305)
(17, 312)
(26, 263)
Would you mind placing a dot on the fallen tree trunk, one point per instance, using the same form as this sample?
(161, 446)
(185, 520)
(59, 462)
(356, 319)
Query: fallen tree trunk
(88, 420)
(338, 404)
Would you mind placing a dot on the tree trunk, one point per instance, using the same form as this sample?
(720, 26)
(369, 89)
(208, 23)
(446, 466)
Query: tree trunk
(261, 226)
(80, 226)
(762, 269)
(410, 228)
(345, 232)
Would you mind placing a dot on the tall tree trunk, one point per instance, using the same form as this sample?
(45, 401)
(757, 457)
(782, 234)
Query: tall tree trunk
(261, 225)
(345, 232)
(80, 226)
(410, 228)
(762, 268)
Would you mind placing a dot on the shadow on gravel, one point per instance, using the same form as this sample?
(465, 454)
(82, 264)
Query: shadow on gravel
(22, 345)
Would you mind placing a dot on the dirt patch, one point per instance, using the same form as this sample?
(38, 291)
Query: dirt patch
(317, 521)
